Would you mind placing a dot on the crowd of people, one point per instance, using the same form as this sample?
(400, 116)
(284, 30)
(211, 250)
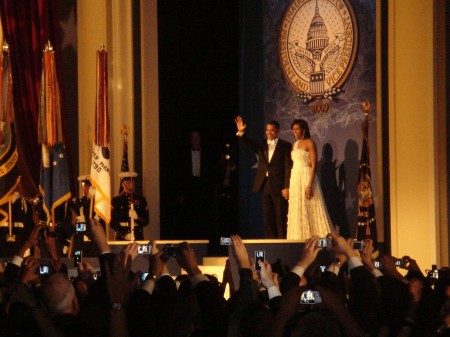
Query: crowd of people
(333, 291)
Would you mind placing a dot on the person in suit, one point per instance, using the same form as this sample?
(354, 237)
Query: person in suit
(196, 183)
(272, 176)
(128, 206)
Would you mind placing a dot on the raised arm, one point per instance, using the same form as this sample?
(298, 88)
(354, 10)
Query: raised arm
(240, 125)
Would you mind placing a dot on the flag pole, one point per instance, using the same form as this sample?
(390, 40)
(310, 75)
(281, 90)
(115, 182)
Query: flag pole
(10, 237)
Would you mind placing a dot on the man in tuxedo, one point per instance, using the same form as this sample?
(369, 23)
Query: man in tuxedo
(272, 176)
(196, 187)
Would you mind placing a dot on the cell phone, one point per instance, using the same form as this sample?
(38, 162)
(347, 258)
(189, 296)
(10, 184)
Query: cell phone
(96, 275)
(80, 227)
(172, 251)
(322, 268)
(435, 274)
(44, 270)
(377, 264)
(359, 245)
(144, 249)
(324, 242)
(77, 257)
(260, 255)
(225, 241)
(402, 263)
(310, 297)
(143, 276)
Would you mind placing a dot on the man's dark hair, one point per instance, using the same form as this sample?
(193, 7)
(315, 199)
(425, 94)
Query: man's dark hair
(274, 123)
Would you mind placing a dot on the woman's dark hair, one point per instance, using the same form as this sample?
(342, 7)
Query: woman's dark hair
(303, 125)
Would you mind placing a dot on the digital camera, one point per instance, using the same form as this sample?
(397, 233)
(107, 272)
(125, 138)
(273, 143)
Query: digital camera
(225, 241)
(172, 251)
(144, 249)
(77, 257)
(402, 263)
(44, 270)
(324, 242)
(143, 276)
(359, 245)
(260, 255)
(80, 227)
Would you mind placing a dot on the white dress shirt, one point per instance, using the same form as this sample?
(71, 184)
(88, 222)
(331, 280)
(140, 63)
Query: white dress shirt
(271, 147)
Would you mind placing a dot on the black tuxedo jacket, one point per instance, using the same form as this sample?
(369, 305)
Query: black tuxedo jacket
(278, 169)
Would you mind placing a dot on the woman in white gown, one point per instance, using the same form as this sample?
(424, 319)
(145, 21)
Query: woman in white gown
(307, 215)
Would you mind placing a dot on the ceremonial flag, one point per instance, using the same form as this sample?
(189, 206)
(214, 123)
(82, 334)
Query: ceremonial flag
(100, 170)
(9, 169)
(367, 226)
(54, 181)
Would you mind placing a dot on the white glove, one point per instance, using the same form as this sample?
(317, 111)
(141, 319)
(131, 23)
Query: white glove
(92, 191)
(132, 214)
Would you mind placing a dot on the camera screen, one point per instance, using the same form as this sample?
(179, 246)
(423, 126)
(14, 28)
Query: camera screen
(81, 227)
(398, 262)
(260, 255)
(144, 249)
(43, 270)
(358, 245)
(324, 242)
(225, 241)
(172, 251)
(377, 264)
(435, 274)
(143, 276)
(310, 297)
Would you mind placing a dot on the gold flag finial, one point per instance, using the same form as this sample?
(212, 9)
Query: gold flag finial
(366, 108)
(5, 46)
(102, 47)
(48, 46)
(125, 129)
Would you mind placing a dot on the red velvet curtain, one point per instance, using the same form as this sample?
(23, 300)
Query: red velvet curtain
(27, 26)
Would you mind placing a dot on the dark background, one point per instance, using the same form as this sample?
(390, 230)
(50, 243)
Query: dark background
(198, 44)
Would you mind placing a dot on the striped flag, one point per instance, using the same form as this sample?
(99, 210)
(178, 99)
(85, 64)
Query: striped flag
(100, 170)
(9, 170)
(54, 180)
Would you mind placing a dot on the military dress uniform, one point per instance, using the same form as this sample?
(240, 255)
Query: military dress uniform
(23, 224)
(120, 220)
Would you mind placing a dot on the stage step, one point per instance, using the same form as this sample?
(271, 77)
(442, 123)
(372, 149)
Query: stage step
(215, 260)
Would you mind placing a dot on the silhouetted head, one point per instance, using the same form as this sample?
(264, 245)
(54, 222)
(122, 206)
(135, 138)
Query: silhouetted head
(327, 152)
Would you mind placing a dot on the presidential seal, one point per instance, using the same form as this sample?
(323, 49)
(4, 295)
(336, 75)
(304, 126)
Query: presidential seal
(318, 45)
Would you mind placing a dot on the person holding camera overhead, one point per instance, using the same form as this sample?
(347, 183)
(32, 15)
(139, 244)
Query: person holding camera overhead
(128, 207)
(307, 215)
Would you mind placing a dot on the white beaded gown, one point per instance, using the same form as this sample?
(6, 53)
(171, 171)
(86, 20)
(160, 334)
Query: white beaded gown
(305, 217)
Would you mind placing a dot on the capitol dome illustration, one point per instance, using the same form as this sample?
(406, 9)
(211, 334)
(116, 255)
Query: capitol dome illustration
(317, 38)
